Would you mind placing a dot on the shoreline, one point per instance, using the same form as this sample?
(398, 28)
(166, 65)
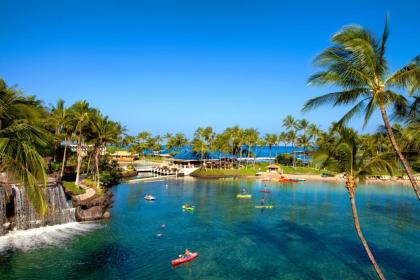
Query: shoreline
(307, 177)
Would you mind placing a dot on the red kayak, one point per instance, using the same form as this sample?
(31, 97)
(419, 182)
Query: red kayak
(184, 259)
(265, 191)
(285, 180)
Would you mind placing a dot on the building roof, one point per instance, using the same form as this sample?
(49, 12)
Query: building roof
(122, 154)
(273, 166)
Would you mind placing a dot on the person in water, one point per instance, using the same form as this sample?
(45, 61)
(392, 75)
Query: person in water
(243, 191)
(262, 201)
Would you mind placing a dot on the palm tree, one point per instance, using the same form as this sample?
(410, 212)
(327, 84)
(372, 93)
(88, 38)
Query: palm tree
(293, 126)
(292, 138)
(128, 140)
(270, 140)
(221, 144)
(81, 115)
(168, 138)
(346, 156)
(154, 144)
(56, 120)
(21, 139)
(303, 124)
(141, 141)
(290, 123)
(283, 138)
(209, 136)
(313, 132)
(198, 142)
(104, 132)
(236, 140)
(304, 141)
(177, 142)
(251, 140)
(356, 63)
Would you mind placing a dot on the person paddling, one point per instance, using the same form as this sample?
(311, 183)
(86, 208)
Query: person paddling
(262, 201)
(186, 254)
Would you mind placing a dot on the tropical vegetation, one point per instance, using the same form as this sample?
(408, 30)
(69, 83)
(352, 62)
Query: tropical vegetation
(356, 65)
(35, 140)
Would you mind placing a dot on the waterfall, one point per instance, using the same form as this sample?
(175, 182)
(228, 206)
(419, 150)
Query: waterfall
(23, 216)
(2, 211)
(60, 211)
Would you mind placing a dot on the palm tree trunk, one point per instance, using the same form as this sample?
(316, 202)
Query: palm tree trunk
(97, 166)
(255, 154)
(293, 154)
(277, 148)
(361, 237)
(398, 151)
(57, 131)
(88, 164)
(79, 159)
(240, 156)
(64, 157)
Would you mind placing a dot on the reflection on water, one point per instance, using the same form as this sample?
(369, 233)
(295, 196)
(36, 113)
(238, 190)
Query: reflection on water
(308, 234)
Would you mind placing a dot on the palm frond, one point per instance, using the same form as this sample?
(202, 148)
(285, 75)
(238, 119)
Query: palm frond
(407, 77)
(381, 63)
(370, 107)
(357, 109)
(335, 98)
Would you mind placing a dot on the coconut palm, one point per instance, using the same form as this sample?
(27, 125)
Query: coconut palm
(304, 141)
(292, 138)
(81, 117)
(270, 140)
(303, 124)
(104, 131)
(221, 144)
(154, 144)
(283, 138)
(128, 140)
(175, 143)
(21, 139)
(236, 140)
(290, 123)
(251, 140)
(356, 63)
(141, 141)
(198, 143)
(345, 156)
(313, 132)
(56, 120)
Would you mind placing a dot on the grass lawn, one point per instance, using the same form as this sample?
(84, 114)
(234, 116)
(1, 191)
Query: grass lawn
(71, 186)
(92, 184)
(251, 171)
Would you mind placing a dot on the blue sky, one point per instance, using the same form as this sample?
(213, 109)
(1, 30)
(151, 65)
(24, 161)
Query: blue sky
(169, 66)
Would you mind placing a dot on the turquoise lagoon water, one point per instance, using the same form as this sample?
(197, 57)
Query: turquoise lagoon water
(309, 234)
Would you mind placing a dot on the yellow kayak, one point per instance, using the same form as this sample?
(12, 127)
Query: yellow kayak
(264, 206)
(243, 196)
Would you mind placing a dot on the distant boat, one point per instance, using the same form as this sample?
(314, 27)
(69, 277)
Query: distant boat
(149, 197)
(298, 179)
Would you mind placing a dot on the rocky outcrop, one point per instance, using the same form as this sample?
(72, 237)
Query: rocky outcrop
(93, 208)
(92, 213)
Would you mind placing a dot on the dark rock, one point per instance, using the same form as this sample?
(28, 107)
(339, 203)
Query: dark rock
(91, 214)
